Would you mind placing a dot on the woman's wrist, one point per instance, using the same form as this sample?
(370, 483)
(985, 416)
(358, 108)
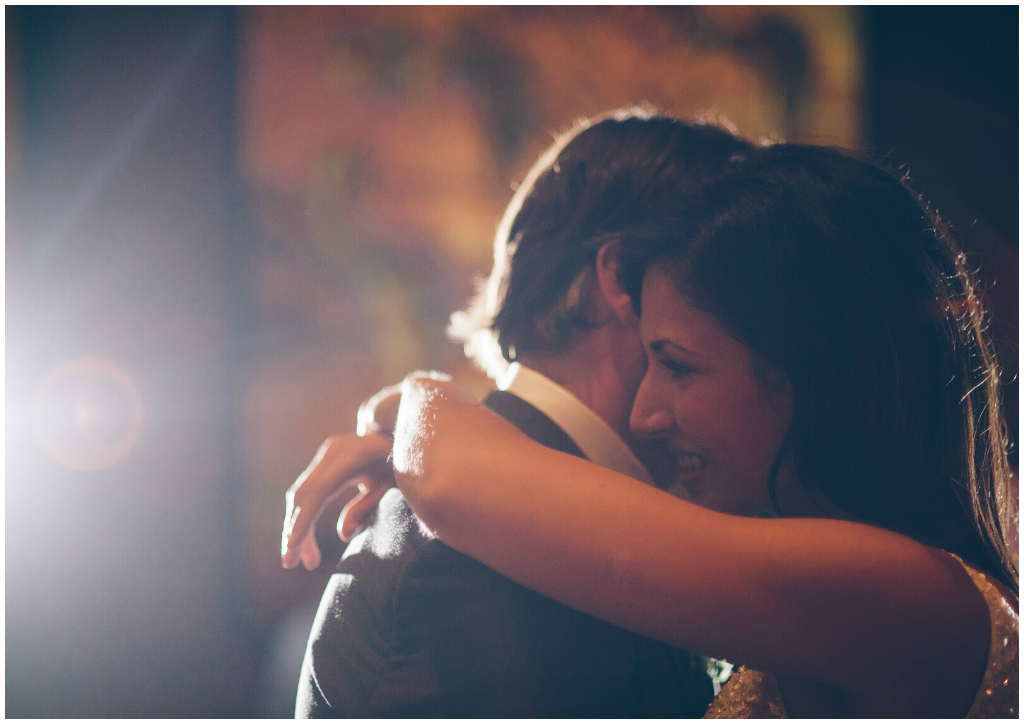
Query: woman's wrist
(436, 436)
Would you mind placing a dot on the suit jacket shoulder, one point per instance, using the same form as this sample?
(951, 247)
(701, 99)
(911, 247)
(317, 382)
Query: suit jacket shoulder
(353, 635)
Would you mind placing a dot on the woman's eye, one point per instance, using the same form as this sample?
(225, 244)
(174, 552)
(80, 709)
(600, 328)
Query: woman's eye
(678, 369)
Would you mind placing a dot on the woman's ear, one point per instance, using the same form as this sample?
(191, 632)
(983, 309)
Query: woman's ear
(610, 285)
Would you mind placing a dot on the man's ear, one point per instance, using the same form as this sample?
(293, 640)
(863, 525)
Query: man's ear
(614, 293)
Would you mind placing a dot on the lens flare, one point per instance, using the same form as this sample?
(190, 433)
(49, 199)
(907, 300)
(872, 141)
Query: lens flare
(87, 413)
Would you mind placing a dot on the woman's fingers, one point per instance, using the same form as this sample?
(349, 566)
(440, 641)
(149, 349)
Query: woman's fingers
(304, 501)
(340, 459)
(356, 512)
(379, 412)
(309, 551)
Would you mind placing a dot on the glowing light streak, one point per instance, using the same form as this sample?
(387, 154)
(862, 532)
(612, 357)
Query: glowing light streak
(163, 91)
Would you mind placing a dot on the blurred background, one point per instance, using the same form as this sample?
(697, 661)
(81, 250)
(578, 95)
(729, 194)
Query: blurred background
(226, 227)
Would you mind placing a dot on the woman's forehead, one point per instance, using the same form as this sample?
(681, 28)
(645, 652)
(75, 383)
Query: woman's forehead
(669, 318)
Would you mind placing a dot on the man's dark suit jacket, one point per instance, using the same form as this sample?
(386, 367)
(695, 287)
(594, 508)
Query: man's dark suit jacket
(409, 627)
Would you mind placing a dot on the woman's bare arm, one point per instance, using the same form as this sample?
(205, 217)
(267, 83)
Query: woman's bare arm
(871, 612)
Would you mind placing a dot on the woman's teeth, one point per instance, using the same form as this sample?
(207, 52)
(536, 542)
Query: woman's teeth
(691, 462)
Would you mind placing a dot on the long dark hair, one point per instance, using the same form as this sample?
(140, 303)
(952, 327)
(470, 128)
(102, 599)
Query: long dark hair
(832, 270)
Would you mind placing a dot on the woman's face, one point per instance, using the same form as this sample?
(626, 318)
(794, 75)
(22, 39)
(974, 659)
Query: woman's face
(701, 397)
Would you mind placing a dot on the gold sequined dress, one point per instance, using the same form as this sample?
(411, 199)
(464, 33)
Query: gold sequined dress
(751, 694)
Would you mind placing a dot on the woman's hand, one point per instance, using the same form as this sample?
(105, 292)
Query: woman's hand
(342, 463)
(379, 412)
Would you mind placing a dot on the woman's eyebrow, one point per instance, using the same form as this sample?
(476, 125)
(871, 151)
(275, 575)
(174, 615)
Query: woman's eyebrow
(658, 346)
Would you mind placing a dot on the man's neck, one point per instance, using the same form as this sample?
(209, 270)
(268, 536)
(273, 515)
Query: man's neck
(594, 437)
(599, 371)
(590, 371)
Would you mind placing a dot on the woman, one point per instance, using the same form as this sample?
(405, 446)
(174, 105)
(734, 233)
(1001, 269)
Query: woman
(815, 352)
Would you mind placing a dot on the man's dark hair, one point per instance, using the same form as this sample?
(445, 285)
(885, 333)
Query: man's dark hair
(833, 271)
(602, 178)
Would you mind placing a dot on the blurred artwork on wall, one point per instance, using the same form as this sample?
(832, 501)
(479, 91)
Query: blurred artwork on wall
(379, 147)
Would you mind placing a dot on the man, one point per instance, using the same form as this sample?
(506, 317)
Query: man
(409, 627)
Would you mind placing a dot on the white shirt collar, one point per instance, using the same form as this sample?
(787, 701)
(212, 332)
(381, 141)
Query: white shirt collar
(594, 437)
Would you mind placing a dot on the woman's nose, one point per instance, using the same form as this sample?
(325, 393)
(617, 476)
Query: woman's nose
(650, 416)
